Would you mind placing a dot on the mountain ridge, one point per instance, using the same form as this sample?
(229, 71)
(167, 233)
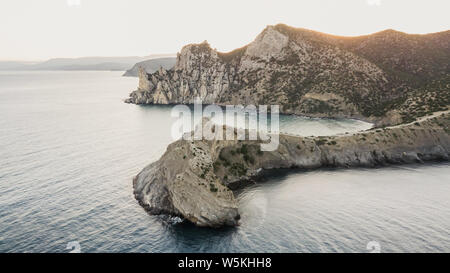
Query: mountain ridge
(82, 63)
(375, 77)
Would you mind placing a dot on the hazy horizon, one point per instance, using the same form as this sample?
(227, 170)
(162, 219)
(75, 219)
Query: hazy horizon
(152, 56)
(38, 30)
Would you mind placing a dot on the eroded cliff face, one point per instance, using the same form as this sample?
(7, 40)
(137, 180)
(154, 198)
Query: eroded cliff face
(193, 178)
(300, 75)
(198, 73)
(308, 73)
(182, 183)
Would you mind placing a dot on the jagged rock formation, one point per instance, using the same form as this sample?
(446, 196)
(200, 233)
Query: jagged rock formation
(193, 178)
(387, 77)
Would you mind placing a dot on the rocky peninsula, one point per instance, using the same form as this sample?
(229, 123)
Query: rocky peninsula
(194, 179)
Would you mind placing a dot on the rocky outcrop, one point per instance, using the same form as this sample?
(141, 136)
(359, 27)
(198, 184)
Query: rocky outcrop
(387, 78)
(193, 178)
(182, 183)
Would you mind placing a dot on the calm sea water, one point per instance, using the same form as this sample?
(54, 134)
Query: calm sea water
(70, 147)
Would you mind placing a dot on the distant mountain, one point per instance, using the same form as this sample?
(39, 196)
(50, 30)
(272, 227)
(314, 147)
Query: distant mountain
(83, 63)
(151, 66)
(14, 65)
(387, 77)
(87, 63)
(94, 67)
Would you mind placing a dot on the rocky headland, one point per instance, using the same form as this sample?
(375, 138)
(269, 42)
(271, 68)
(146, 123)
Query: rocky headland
(386, 78)
(194, 179)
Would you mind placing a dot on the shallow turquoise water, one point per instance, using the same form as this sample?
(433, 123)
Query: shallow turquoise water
(70, 147)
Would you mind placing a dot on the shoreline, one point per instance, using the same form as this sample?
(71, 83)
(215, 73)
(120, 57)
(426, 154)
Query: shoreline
(190, 105)
(358, 118)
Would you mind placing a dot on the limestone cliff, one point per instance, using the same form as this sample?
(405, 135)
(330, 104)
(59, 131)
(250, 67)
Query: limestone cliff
(193, 178)
(388, 77)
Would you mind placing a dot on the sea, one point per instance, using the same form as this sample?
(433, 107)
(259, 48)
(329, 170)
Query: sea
(70, 147)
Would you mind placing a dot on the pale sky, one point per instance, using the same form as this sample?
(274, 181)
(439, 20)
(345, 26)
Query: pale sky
(43, 29)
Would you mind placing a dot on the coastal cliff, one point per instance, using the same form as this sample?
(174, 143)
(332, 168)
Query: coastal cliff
(193, 179)
(386, 78)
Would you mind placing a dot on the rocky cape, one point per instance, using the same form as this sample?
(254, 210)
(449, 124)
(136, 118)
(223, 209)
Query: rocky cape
(194, 179)
(387, 78)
